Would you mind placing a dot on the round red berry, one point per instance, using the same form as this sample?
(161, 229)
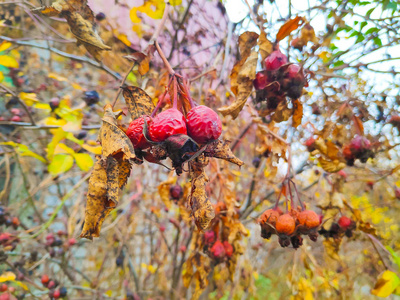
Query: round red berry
(292, 71)
(3, 287)
(56, 294)
(345, 222)
(228, 249)
(45, 279)
(16, 119)
(167, 123)
(261, 81)
(135, 133)
(203, 124)
(218, 250)
(275, 60)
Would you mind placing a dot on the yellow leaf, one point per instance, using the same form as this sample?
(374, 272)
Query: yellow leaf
(84, 161)
(24, 150)
(76, 86)
(94, 149)
(21, 284)
(58, 135)
(28, 98)
(387, 282)
(1, 76)
(62, 148)
(8, 61)
(7, 276)
(5, 45)
(57, 77)
(44, 106)
(61, 163)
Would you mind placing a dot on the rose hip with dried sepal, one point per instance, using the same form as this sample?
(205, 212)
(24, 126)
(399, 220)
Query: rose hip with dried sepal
(176, 192)
(275, 60)
(285, 224)
(167, 123)
(228, 248)
(261, 81)
(293, 81)
(203, 124)
(218, 250)
(135, 133)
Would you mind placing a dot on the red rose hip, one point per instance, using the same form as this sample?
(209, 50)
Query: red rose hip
(275, 60)
(135, 133)
(167, 123)
(203, 124)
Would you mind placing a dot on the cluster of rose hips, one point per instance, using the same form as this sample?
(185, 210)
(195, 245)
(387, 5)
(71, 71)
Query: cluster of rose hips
(344, 226)
(56, 245)
(279, 79)
(177, 134)
(290, 226)
(8, 220)
(359, 148)
(16, 115)
(51, 285)
(6, 292)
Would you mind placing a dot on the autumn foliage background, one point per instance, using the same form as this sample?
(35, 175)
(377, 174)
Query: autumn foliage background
(149, 246)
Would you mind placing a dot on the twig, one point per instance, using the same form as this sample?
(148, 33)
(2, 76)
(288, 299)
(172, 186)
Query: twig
(30, 126)
(152, 41)
(242, 134)
(64, 54)
(58, 208)
(164, 59)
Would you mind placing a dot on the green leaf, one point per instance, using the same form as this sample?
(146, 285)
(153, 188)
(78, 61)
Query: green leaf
(61, 163)
(369, 12)
(378, 41)
(84, 161)
(395, 256)
(371, 30)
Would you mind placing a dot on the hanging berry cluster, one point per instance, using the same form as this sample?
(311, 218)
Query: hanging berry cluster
(279, 79)
(359, 148)
(290, 226)
(344, 226)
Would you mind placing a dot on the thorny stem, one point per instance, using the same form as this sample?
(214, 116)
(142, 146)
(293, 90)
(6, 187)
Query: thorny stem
(152, 41)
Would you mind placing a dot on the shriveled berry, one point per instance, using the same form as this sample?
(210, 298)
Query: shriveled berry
(285, 224)
(345, 222)
(256, 161)
(119, 261)
(269, 216)
(360, 143)
(15, 222)
(135, 133)
(310, 144)
(100, 16)
(292, 71)
(91, 97)
(309, 219)
(167, 123)
(203, 124)
(297, 241)
(176, 191)
(261, 81)
(228, 249)
(275, 60)
(51, 284)
(218, 250)
(209, 237)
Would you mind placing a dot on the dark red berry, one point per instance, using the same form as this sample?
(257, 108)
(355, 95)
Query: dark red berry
(275, 60)
(397, 193)
(292, 71)
(51, 284)
(345, 222)
(360, 143)
(167, 123)
(45, 279)
(228, 249)
(182, 248)
(203, 124)
(135, 133)
(54, 103)
(162, 228)
(71, 241)
(91, 97)
(310, 144)
(56, 294)
(209, 237)
(3, 287)
(218, 250)
(176, 191)
(261, 81)
(16, 119)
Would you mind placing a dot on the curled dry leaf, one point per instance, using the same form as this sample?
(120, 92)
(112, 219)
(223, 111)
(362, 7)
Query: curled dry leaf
(282, 112)
(138, 101)
(142, 59)
(220, 149)
(307, 34)
(297, 112)
(197, 267)
(112, 138)
(330, 157)
(98, 204)
(265, 45)
(202, 210)
(288, 27)
(80, 19)
(243, 74)
(163, 191)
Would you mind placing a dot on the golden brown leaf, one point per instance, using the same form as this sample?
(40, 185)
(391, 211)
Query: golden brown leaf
(221, 150)
(282, 112)
(358, 125)
(113, 140)
(124, 171)
(139, 103)
(264, 45)
(85, 32)
(142, 60)
(202, 265)
(332, 248)
(242, 77)
(297, 112)
(288, 27)
(331, 166)
(98, 204)
(247, 40)
(307, 34)
(163, 191)
(202, 210)
(112, 169)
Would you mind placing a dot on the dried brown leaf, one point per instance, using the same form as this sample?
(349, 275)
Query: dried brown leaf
(139, 103)
(288, 27)
(202, 209)
(220, 149)
(163, 191)
(265, 45)
(113, 140)
(297, 112)
(242, 77)
(247, 40)
(331, 166)
(98, 204)
(112, 169)
(282, 112)
(358, 125)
